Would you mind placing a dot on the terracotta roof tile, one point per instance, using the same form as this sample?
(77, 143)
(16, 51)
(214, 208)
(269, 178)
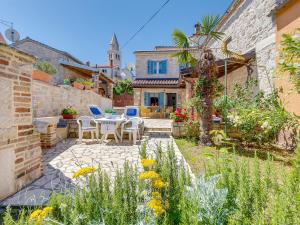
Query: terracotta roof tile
(157, 82)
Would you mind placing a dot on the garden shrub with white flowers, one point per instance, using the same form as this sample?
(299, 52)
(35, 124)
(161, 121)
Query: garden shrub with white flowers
(257, 117)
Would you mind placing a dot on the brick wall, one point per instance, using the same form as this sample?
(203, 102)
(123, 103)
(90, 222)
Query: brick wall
(49, 100)
(20, 151)
(123, 100)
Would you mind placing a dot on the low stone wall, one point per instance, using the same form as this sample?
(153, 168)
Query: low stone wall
(49, 100)
(123, 100)
(20, 151)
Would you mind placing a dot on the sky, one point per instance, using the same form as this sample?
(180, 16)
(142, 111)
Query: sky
(84, 27)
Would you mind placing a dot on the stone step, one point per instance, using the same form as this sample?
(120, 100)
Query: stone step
(158, 129)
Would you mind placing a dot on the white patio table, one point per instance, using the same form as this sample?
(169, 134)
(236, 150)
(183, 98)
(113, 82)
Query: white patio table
(110, 126)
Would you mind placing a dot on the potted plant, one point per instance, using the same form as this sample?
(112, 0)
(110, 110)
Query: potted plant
(88, 84)
(178, 117)
(69, 113)
(78, 83)
(109, 113)
(67, 81)
(43, 71)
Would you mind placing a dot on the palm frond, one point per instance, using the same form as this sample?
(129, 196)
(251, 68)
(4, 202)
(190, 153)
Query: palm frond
(208, 27)
(180, 39)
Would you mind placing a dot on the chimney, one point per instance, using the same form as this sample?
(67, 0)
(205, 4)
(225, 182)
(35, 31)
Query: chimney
(87, 63)
(197, 29)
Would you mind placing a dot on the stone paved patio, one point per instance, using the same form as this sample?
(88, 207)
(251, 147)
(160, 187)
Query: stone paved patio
(67, 157)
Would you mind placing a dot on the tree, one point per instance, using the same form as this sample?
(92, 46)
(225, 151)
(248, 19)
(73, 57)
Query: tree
(203, 62)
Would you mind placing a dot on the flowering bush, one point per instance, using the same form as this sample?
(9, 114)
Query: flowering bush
(257, 117)
(179, 115)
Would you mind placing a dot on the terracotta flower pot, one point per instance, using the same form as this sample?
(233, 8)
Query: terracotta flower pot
(68, 116)
(78, 85)
(41, 76)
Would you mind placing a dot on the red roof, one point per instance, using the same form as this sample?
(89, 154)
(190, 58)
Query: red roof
(158, 83)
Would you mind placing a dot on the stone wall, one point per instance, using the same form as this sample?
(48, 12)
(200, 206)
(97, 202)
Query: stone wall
(49, 100)
(251, 27)
(20, 151)
(122, 100)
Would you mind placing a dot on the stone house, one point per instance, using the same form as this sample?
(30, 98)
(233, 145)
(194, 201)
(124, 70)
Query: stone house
(66, 64)
(157, 83)
(52, 55)
(255, 28)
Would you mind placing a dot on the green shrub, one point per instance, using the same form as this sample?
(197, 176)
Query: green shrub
(289, 58)
(45, 67)
(123, 86)
(86, 82)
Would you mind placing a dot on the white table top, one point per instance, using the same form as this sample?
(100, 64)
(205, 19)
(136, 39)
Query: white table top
(113, 119)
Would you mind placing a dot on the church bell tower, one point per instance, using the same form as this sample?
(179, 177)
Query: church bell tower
(114, 57)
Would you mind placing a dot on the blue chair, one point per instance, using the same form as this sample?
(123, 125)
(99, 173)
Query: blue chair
(95, 111)
(131, 111)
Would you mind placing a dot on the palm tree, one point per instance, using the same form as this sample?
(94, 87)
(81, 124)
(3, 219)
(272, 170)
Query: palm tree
(194, 51)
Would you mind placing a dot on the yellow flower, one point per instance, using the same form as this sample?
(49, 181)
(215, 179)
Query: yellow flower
(148, 162)
(156, 195)
(39, 214)
(156, 206)
(149, 175)
(158, 184)
(84, 171)
(35, 215)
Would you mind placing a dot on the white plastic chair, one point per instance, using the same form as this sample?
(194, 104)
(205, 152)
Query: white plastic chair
(131, 111)
(84, 125)
(131, 130)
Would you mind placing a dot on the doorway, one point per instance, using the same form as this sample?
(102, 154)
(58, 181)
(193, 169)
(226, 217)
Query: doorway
(172, 100)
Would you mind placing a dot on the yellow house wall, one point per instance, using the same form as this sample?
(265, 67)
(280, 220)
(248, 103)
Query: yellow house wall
(287, 20)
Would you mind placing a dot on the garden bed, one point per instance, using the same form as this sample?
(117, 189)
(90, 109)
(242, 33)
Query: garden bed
(197, 156)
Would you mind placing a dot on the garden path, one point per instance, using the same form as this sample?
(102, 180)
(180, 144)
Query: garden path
(61, 161)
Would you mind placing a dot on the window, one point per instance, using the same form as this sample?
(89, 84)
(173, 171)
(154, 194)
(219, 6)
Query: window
(163, 67)
(157, 67)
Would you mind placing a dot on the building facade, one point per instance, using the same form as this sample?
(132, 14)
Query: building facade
(158, 85)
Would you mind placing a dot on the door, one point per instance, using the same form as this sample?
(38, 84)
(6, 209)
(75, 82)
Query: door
(171, 100)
